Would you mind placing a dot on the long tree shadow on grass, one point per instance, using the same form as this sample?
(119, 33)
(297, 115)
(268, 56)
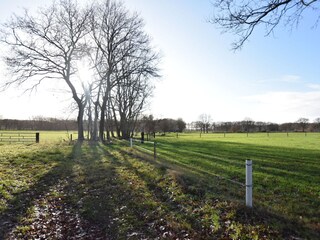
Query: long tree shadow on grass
(44, 209)
(21, 201)
(267, 156)
(129, 202)
(109, 191)
(185, 213)
(105, 196)
(283, 177)
(286, 227)
(93, 188)
(130, 197)
(178, 211)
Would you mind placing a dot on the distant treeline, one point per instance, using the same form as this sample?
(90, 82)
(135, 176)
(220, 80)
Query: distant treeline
(302, 125)
(148, 124)
(145, 124)
(38, 124)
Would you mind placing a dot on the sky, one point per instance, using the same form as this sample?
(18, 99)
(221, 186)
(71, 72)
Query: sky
(272, 78)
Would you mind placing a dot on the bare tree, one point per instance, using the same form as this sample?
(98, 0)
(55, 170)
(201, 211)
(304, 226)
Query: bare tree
(133, 87)
(303, 123)
(247, 125)
(110, 29)
(317, 123)
(49, 46)
(124, 60)
(205, 121)
(46, 46)
(242, 17)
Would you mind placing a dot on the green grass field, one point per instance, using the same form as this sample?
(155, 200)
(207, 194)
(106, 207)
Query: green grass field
(194, 189)
(49, 136)
(286, 168)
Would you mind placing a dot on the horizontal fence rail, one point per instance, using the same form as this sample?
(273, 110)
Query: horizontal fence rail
(16, 137)
(153, 151)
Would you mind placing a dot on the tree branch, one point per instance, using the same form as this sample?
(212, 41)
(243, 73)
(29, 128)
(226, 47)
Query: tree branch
(243, 17)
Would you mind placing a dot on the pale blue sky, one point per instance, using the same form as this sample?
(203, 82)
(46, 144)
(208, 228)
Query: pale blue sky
(275, 78)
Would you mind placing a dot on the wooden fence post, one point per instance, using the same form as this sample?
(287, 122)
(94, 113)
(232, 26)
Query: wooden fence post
(37, 137)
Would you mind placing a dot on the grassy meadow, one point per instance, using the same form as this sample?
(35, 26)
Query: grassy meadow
(193, 190)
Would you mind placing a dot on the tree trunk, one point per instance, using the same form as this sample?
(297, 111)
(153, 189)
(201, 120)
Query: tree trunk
(116, 123)
(105, 99)
(102, 122)
(108, 114)
(103, 117)
(108, 124)
(80, 122)
(90, 129)
(95, 122)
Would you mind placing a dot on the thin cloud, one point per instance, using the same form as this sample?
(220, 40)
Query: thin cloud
(288, 78)
(291, 78)
(314, 86)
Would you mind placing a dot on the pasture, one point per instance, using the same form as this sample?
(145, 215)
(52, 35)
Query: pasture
(194, 189)
(286, 169)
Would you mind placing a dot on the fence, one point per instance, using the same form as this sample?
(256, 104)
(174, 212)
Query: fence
(16, 137)
(152, 150)
(248, 167)
(73, 136)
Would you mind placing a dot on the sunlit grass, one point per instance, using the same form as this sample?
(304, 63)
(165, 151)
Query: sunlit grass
(286, 168)
(189, 191)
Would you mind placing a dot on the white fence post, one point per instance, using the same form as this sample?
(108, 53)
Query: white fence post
(130, 142)
(249, 183)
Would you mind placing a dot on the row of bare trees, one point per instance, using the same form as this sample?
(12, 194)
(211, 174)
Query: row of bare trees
(205, 125)
(52, 44)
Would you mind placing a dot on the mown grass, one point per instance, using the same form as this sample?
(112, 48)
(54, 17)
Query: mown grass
(286, 169)
(118, 192)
